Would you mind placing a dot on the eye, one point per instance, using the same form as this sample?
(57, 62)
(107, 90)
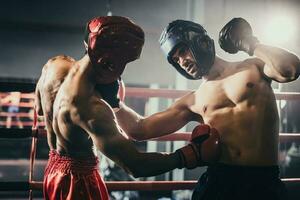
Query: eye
(176, 59)
(182, 51)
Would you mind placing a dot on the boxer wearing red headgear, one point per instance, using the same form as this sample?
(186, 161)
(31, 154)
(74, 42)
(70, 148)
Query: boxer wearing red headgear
(81, 116)
(117, 33)
(54, 73)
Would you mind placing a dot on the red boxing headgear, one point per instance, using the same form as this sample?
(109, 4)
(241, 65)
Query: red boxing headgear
(113, 35)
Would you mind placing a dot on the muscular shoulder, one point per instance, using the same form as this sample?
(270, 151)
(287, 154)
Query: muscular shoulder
(59, 63)
(257, 65)
(185, 101)
(53, 74)
(254, 61)
(185, 106)
(62, 58)
(55, 70)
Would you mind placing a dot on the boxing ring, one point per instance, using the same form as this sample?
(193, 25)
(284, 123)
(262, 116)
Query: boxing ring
(36, 133)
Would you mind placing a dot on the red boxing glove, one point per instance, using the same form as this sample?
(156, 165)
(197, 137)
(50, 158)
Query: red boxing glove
(203, 150)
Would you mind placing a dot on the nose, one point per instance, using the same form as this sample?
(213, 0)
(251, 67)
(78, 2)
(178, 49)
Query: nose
(181, 61)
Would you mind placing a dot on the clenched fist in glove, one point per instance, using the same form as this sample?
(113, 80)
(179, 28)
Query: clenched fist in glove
(236, 36)
(203, 149)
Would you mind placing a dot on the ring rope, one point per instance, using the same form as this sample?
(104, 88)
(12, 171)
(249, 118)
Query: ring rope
(9, 133)
(29, 86)
(124, 185)
(18, 114)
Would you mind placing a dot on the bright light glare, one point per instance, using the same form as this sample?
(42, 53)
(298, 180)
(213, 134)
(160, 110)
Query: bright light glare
(279, 30)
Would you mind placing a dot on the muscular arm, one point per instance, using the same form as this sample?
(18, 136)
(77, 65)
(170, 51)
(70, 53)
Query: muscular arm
(37, 103)
(280, 65)
(37, 97)
(159, 124)
(103, 129)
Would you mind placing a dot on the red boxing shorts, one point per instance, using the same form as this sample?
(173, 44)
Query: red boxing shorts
(73, 179)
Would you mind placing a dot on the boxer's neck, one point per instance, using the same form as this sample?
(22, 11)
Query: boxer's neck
(87, 69)
(217, 69)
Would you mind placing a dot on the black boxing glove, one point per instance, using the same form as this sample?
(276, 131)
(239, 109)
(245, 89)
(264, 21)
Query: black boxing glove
(109, 93)
(236, 36)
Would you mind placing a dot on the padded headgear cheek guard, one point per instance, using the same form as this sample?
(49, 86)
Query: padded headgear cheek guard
(192, 35)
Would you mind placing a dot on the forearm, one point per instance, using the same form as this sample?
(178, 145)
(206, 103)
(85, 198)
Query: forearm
(139, 164)
(129, 120)
(107, 137)
(155, 125)
(152, 164)
(283, 65)
(203, 149)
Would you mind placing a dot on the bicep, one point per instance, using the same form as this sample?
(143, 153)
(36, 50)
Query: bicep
(37, 94)
(37, 103)
(117, 148)
(107, 137)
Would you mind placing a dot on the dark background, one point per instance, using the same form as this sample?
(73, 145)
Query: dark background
(32, 31)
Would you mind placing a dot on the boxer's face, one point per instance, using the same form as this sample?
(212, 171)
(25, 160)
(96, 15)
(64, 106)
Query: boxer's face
(184, 57)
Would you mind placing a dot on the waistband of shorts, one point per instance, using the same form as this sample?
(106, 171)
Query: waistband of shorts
(65, 162)
(241, 171)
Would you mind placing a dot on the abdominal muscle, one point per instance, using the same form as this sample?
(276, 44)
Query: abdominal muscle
(74, 142)
(247, 137)
(78, 150)
(71, 139)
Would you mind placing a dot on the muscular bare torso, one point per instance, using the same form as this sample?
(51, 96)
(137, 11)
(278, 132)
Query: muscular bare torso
(53, 74)
(73, 97)
(241, 105)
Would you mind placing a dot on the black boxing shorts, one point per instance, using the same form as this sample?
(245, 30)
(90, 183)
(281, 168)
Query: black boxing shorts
(233, 182)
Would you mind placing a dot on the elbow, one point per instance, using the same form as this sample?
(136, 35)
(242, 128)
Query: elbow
(142, 136)
(136, 172)
(38, 110)
(286, 69)
(133, 165)
(290, 73)
(297, 69)
(138, 136)
(139, 168)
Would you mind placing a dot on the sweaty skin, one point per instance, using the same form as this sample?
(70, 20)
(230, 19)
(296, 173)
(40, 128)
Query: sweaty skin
(53, 74)
(81, 120)
(235, 98)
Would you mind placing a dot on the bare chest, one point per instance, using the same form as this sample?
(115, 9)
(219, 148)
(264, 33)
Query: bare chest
(225, 94)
